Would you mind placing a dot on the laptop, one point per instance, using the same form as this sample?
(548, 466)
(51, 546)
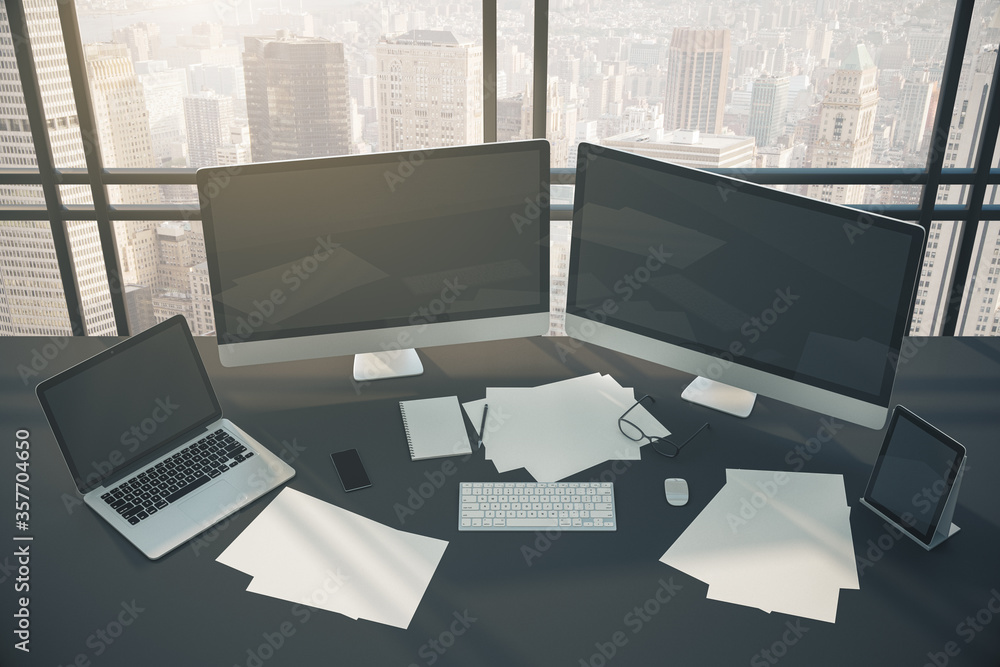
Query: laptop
(142, 433)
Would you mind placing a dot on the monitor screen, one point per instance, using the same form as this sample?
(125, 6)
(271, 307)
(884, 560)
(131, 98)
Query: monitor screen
(742, 274)
(367, 242)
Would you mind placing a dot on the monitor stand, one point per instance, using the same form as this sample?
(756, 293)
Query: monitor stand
(385, 365)
(721, 397)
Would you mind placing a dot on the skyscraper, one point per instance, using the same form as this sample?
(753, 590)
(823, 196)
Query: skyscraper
(846, 125)
(208, 118)
(768, 104)
(914, 107)
(979, 314)
(430, 91)
(298, 100)
(123, 126)
(31, 295)
(697, 78)
(122, 119)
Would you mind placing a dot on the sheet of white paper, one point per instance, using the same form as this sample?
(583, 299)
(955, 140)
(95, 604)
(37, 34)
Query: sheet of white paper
(562, 428)
(777, 541)
(341, 589)
(305, 550)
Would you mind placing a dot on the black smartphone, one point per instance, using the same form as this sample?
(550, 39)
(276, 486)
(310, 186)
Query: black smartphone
(352, 472)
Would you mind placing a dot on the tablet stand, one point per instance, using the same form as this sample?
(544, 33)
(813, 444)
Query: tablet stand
(940, 531)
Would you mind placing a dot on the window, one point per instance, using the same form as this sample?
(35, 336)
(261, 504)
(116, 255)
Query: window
(769, 96)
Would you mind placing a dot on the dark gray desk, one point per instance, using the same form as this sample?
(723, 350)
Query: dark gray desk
(507, 598)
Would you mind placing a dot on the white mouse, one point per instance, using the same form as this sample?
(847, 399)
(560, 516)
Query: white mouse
(676, 490)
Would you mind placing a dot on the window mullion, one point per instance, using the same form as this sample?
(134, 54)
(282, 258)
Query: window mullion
(35, 109)
(94, 160)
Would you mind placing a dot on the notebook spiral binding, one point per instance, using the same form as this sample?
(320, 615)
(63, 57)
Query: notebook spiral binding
(406, 429)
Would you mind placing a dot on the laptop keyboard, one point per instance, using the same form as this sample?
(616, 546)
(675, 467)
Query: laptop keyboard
(174, 477)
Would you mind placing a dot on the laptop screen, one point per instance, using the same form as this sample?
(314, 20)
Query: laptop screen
(123, 403)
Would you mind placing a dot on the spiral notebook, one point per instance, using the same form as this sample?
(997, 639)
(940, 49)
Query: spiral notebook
(434, 427)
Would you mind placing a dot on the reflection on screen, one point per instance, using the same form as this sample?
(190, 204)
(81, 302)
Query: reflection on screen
(714, 265)
(131, 402)
(345, 244)
(912, 474)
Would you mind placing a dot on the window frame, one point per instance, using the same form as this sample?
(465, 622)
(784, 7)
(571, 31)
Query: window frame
(970, 215)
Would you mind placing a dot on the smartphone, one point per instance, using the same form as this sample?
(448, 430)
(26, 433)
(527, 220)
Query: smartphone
(352, 472)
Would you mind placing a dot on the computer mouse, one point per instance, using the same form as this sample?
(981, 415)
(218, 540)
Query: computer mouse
(676, 490)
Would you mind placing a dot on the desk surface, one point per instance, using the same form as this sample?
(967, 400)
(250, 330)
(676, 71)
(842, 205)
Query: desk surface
(507, 598)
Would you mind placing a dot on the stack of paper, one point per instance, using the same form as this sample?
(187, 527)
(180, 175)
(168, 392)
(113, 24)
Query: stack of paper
(559, 429)
(307, 551)
(779, 541)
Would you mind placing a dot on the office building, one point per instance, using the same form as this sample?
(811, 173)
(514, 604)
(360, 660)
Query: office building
(768, 105)
(31, 295)
(430, 91)
(298, 100)
(203, 45)
(697, 80)
(208, 118)
(979, 314)
(513, 118)
(223, 79)
(142, 40)
(122, 118)
(689, 148)
(846, 125)
(123, 123)
(165, 90)
(914, 108)
(182, 283)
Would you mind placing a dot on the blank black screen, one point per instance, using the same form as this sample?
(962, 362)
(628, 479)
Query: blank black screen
(361, 242)
(122, 404)
(912, 475)
(809, 291)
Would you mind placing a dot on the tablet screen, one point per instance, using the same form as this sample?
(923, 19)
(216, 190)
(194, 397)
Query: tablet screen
(914, 473)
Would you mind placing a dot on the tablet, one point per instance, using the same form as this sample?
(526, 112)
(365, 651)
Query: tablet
(915, 479)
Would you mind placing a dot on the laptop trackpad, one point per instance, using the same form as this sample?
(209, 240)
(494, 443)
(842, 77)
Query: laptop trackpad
(213, 503)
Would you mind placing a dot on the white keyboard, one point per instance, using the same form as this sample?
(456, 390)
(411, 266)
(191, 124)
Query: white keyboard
(496, 506)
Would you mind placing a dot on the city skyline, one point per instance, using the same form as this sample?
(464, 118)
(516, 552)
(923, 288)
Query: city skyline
(784, 84)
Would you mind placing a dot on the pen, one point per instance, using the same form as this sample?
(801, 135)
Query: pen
(482, 426)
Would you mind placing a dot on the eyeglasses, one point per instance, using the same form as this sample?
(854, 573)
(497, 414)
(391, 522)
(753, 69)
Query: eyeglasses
(632, 431)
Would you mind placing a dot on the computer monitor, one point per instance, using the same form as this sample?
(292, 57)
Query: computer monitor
(378, 253)
(753, 290)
